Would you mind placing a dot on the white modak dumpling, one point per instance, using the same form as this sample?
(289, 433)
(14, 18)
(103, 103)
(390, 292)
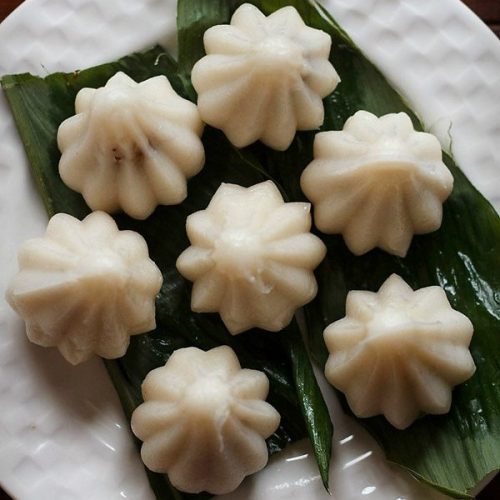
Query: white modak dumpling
(252, 257)
(399, 352)
(377, 182)
(264, 77)
(205, 420)
(131, 146)
(85, 287)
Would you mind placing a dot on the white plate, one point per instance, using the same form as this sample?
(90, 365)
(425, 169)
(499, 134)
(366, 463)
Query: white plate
(62, 432)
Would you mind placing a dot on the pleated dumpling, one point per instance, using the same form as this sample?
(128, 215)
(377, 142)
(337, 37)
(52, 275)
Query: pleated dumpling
(204, 420)
(85, 287)
(264, 77)
(131, 146)
(399, 352)
(377, 182)
(252, 257)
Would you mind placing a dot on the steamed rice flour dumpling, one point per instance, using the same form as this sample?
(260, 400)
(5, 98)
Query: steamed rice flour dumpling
(131, 146)
(264, 78)
(251, 257)
(205, 420)
(399, 352)
(377, 182)
(85, 287)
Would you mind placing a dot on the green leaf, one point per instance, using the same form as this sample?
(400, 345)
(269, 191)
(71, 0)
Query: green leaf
(39, 105)
(313, 406)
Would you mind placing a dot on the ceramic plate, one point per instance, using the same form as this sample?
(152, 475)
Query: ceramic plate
(62, 433)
